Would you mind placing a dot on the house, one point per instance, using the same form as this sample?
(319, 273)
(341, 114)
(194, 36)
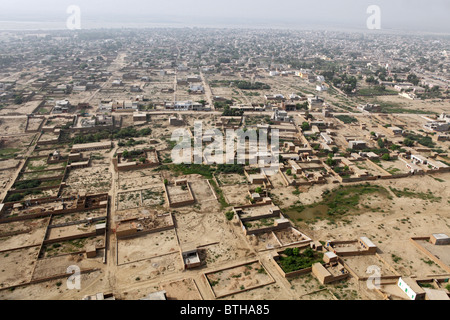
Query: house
(411, 288)
(135, 88)
(62, 106)
(277, 97)
(327, 138)
(315, 103)
(395, 130)
(438, 126)
(440, 239)
(194, 88)
(280, 115)
(117, 83)
(357, 144)
(139, 117)
(369, 107)
(193, 79)
(321, 88)
(190, 256)
(418, 159)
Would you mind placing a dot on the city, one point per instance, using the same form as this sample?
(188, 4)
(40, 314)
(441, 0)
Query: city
(95, 207)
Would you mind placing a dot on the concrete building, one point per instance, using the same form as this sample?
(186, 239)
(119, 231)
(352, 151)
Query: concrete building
(411, 288)
(357, 144)
(440, 239)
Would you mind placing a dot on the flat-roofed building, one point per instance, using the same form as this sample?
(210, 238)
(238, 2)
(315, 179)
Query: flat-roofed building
(411, 288)
(440, 239)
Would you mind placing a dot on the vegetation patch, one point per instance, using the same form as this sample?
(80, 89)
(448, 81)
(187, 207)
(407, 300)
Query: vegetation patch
(293, 260)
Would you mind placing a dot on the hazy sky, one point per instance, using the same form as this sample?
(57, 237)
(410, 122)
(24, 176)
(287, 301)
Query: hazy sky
(413, 15)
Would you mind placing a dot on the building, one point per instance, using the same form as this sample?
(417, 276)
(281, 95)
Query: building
(440, 239)
(62, 106)
(321, 88)
(315, 103)
(370, 108)
(367, 245)
(196, 88)
(280, 115)
(189, 254)
(357, 144)
(437, 126)
(117, 83)
(411, 288)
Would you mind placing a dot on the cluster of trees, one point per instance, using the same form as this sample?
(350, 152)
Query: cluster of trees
(305, 126)
(131, 132)
(300, 106)
(130, 143)
(228, 112)
(91, 137)
(410, 139)
(293, 260)
(133, 153)
(230, 168)
(223, 104)
(124, 133)
(29, 184)
(18, 99)
(247, 85)
(371, 80)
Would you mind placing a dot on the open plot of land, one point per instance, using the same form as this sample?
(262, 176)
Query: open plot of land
(264, 241)
(201, 190)
(41, 174)
(39, 164)
(441, 251)
(153, 196)
(393, 166)
(139, 179)
(52, 266)
(78, 216)
(34, 235)
(178, 193)
(233, 280)
(11, 126)
(34, 123)
(406, 259)
(57, 289)
(71, 246)
(371, 169)
(71, 230)
(360, 265)
(184, 289)
(236, 195)
(127, 275)
(128, 200)
(91, 180)
(17, 266)
(218, 253)
(289, 236)
(5, 178)
(147, 246)
(231, 179)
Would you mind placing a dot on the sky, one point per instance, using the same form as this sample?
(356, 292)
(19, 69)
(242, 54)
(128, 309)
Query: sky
(406, 15)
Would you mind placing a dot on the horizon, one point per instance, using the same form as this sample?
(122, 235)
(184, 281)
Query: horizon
(400, 16)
